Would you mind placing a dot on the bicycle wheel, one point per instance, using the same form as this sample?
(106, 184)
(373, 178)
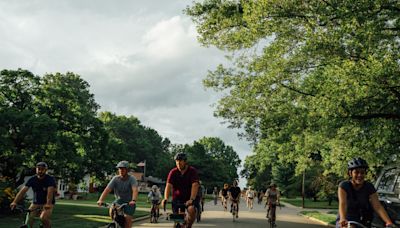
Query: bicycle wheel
(177, 225)
(111, 225)
(198, 216)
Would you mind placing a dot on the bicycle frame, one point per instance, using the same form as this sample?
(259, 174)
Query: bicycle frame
(117, 214)
(354, 224)
(235, 205)
(179, 218)
(154, 213)
(27, 215)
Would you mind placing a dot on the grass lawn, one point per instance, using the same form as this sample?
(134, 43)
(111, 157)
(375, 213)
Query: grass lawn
(326, 217)
(80, 213)
(309, 203)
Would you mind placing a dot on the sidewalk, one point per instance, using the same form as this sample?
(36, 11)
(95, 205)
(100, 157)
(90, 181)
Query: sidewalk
(297, 210)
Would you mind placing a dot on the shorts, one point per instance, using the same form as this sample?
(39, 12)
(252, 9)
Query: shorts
(38, 212)
(128, 209)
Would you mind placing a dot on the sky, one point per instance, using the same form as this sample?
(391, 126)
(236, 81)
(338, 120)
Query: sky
(140, 57)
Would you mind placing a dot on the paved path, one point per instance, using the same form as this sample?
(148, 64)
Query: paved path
(214, 216)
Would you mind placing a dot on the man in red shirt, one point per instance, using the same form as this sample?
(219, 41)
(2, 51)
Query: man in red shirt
(183, 180)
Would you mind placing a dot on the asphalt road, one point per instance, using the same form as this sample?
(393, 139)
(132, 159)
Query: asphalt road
(214, 216)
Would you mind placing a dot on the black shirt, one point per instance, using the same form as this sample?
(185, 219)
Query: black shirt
(39, 187)
(358, 205)
(235, 192)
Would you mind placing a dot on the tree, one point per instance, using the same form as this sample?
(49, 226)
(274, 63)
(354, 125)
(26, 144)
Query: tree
(79, 138)
(24, 132)
(308, 76)
(130, 140)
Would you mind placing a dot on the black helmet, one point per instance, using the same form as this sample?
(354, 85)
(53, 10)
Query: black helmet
(180, 156)
(41, 164)
(357, 163)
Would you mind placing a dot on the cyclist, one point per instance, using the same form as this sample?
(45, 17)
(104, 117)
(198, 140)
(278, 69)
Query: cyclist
(272, 194)
(125, 191)
(183, 181)
(43, 187)
(234, 193)
(224, 195)
(200, 195)
(250, 197)
(358, 198)
(155, 197)
(215, 195)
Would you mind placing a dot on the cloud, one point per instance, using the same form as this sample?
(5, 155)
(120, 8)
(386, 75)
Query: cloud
(140, 58)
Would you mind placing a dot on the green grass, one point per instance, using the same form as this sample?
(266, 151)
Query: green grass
(79, 213)
(326, 217)
(308, 203)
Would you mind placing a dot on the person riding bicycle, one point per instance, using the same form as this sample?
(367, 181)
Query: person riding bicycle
(201, 193)
(215, 195)
(358, 198)
(273, 196)
(155, 196)
(125, 189)
(234, 193)
(224, 195)
(43, 187)
(183, 181)
(250, 197)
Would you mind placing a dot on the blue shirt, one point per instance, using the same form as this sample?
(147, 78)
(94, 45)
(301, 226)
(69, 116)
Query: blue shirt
(39, 187)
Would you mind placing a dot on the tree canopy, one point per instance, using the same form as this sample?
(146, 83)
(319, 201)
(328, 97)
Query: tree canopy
(308, 79)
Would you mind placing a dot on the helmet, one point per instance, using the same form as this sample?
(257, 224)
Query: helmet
(180, 156)
(154, 187)
(272, 185)
(41, 164)
(123, 164)
(357, 163)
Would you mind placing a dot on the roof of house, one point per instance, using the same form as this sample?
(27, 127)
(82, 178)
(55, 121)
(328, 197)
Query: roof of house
(137, 175)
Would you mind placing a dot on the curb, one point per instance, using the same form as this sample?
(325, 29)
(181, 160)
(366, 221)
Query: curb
(317, 220)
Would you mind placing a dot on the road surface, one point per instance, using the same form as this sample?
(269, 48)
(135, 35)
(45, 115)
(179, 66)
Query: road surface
(215, 217)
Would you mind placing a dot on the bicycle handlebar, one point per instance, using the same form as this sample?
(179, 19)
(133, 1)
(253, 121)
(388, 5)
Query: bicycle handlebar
(110, 205)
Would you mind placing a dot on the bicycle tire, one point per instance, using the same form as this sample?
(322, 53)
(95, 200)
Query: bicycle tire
(111, 225)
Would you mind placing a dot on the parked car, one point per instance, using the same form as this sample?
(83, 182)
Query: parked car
(388, 187)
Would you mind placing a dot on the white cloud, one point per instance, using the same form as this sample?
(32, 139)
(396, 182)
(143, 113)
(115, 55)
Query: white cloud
(141, 58)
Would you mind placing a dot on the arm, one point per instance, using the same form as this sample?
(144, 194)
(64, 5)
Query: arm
(106, 191)
(167, 191)
(373, 198)
(50, 196)
(342, 195)
(18, 197)
(135, 193)
(193, 193)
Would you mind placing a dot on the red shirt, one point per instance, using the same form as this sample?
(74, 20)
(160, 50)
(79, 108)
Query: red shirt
(182, 184)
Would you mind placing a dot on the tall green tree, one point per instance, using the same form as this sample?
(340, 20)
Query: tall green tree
(24, 132)
(80, 138)
(130, 140)
(308, 77)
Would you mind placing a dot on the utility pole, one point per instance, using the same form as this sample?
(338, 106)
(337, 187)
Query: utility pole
(302, 187)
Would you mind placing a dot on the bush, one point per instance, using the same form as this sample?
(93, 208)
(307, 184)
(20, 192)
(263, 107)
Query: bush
(7, 194)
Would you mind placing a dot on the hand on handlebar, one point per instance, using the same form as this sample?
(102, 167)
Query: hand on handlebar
(13, 205)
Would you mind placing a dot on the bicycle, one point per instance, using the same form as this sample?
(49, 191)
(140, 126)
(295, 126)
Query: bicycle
(179, 216)
(224, 203)
(117, 215)
(27, 215)
(271, 215)
(199, 210)
(235, 210)
(155, 212)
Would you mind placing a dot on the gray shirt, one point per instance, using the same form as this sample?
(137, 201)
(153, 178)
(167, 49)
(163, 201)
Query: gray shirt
(123, 188)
